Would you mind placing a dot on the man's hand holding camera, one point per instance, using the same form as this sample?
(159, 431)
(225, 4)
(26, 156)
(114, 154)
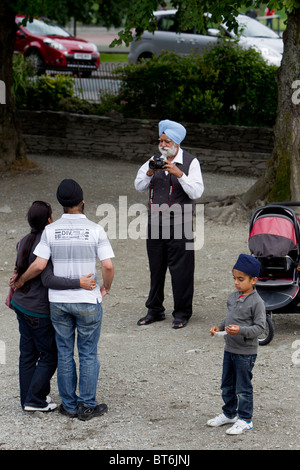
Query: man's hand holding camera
(151, 172)
(166, 165)
(173, 169)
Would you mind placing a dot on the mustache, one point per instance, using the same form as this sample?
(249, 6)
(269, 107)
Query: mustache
(168, 151)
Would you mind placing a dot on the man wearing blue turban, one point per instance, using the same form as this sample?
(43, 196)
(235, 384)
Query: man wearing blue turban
(173, 130)
(174, 180)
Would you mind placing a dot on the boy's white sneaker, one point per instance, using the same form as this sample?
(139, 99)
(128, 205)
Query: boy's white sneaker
(239, 427)
(220, 420)
(49, 407)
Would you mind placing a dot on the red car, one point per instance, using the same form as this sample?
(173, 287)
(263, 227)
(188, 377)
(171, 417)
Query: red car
(53, 48)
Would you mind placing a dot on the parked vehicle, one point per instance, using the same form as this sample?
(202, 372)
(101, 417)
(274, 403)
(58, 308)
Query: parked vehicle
(51, 47)
(252, 34)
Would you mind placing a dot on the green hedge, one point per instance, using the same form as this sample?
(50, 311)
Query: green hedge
(228, 85)
(45, 92)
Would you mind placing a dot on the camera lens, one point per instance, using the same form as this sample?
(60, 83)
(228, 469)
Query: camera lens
(157, 163)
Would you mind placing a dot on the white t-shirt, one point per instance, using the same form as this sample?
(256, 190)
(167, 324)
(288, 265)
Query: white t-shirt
(74, 243)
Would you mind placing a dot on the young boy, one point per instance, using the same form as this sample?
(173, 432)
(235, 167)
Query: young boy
(245, 321)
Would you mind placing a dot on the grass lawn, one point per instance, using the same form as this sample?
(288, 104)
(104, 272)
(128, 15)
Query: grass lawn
(111, 57)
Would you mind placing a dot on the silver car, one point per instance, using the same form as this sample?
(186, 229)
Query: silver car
(252, 33)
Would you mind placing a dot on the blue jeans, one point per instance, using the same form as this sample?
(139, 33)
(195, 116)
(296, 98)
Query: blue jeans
(237, 391)
(38, 359)
(86, 319)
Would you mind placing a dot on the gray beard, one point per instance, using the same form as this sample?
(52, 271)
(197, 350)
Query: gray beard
(168, 151)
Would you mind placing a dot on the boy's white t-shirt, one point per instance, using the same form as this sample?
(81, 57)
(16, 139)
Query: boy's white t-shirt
(74, 243)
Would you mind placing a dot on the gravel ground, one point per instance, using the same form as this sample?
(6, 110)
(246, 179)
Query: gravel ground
(161, 385)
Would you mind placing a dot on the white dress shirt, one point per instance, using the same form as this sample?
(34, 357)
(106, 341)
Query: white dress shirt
(192, 184)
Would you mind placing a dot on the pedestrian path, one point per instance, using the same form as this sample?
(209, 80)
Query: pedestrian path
(100, 36)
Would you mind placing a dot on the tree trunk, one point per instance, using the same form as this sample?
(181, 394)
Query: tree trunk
(281, 181)
(11, 144)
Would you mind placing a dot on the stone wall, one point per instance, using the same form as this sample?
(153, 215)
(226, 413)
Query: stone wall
(234, 149)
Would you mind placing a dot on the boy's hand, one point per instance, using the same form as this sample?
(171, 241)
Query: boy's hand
(213, 330)
(232, 329)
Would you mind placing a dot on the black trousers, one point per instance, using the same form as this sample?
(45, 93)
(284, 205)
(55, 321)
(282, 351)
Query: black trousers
(171, 253)
(38, 359)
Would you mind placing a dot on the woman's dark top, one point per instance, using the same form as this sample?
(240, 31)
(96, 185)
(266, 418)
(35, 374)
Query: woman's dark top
(35, 302)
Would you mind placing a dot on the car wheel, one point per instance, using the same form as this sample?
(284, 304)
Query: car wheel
(37, 62)
(268, 333)
(145, 56)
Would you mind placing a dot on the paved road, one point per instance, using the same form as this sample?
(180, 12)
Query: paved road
(100, 36)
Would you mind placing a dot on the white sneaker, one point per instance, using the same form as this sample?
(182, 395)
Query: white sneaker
(239, 427)
(49, 407)
(220, 420)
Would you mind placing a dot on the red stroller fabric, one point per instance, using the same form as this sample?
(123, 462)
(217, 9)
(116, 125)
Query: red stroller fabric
(272, 235)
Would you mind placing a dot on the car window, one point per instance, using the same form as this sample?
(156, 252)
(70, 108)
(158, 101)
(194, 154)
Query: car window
(209, 24)
(169, 23)
(254, 29)
(166, 23)
(45, 29)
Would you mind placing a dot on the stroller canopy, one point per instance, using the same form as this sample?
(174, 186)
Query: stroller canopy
(272, 235)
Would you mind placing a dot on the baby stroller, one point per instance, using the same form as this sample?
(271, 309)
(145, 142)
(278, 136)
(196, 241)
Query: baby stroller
(274, 239)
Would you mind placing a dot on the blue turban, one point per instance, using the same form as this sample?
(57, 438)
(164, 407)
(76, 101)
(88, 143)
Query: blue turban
(173, 130)
(248, 264)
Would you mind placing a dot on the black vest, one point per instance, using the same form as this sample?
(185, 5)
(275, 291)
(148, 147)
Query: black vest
(165, 191)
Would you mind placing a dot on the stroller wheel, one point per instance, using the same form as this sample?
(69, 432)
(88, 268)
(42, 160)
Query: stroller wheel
(268, 333)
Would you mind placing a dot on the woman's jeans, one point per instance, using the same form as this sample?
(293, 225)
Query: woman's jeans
(86, 320)
(237, 391)
(38, 359)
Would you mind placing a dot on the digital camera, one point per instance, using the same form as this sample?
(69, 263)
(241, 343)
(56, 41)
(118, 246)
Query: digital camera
(157, 163)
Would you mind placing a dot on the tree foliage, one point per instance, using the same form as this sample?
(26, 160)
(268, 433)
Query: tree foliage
(139, 15)
(109, 13)
(224, 86)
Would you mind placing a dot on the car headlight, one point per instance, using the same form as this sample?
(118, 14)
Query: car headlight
(94, 47)
(54, 44)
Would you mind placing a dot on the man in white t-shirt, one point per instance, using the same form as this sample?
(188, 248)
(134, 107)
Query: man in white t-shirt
(74, 243)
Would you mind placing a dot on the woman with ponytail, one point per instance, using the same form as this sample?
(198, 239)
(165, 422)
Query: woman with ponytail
(38, 353)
